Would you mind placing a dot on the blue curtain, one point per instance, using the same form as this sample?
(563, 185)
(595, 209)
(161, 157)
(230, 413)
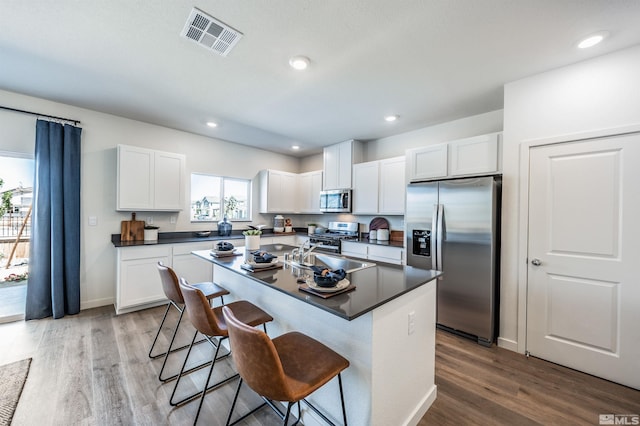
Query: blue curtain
(54, 258)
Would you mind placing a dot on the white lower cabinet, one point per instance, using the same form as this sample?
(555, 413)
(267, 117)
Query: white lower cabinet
(386, 254)
(139, 286)
(373, 252)
(138, 280)
(190, 267)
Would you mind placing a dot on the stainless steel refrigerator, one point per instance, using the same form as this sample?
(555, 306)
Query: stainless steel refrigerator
(454, 226)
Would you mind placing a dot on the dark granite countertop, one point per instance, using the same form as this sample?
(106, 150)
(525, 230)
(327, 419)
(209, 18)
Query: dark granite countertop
(375, 285)
(191, 237)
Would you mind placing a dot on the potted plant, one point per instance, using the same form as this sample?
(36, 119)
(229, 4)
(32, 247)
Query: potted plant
(311, 228)
(252, 239)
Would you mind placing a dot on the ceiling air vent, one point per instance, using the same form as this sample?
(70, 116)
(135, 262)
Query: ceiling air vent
(210, 33)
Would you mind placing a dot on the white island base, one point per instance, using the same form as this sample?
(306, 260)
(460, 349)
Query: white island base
(391, 350)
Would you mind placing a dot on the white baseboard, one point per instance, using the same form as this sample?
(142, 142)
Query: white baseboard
(509, 344)
(96, 303)
(423, 407)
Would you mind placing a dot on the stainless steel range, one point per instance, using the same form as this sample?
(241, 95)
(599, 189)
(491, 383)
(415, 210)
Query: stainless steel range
(338, 231)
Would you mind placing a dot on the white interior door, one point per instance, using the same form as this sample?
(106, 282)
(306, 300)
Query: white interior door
(583, 294)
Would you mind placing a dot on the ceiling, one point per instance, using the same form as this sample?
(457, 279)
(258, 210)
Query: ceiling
(428, 61)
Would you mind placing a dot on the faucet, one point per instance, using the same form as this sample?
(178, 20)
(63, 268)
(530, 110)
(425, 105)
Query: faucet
(299, 254)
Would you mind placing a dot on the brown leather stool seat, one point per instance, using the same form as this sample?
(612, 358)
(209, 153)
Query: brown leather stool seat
(211, 323)
(279, 369)
(171, 289)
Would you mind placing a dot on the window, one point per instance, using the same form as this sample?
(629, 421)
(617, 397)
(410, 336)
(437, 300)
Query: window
(213, 197)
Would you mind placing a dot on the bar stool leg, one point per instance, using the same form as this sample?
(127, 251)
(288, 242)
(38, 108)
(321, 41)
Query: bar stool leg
(175, 387)
(206, 384)
(173, 338)
(158, 334)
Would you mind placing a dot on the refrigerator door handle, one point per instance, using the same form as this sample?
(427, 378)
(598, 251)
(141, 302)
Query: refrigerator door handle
(439, 236)
(434, 237)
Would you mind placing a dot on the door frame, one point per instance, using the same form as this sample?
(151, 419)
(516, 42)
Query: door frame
(523, 209)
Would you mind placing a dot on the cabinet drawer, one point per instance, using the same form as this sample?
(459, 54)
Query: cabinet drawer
(354, 249)
(187, 248)
(387, 254)
(144, 252)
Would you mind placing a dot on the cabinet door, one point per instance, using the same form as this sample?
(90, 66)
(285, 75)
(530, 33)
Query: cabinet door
(138, 278)
(289, 193)
(169, 181)
(190, 267)
(345, 161)
(135, 178)
(331, 157)
(279, 194)
(392, 186)
(365, 188)
(428, 162)
(477, 155)
(309, 187)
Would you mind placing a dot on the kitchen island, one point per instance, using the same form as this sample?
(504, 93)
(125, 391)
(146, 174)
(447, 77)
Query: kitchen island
(385, 328)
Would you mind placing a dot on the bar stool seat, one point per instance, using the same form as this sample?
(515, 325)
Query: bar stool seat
(171, 288)
(210, 322)
(288, 368)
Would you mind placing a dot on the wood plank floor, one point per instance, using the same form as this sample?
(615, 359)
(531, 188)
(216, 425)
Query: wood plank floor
(93, 369)
(495, 386)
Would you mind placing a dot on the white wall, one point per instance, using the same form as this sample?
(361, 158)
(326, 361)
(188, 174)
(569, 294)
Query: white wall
(100, 135)
(602, 93)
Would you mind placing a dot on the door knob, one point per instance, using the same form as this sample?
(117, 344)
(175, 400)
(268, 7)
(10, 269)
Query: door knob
(536, 262)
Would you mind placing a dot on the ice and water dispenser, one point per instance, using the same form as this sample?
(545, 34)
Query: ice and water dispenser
(422, 242)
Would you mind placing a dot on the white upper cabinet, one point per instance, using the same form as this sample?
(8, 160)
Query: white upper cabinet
(278, 192)
(338, 160)
(392, 185)
(309, 187)
(365, 188)
(463, 157)
(149, 180)
(379, 187)
(474, 155)
(429, 162)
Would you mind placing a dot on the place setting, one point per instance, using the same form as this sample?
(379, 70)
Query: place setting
(224, 249)
(258, 261)
(326, 282)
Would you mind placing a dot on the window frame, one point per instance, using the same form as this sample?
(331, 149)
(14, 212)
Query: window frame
(222, 199)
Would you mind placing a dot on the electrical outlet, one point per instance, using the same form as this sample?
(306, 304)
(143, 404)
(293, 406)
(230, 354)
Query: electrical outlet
(149, 220)
(411, 322)
(172, 219)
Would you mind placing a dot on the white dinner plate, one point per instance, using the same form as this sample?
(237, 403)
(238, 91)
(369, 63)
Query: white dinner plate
(221, 253)
(340, 286)
(256, 265)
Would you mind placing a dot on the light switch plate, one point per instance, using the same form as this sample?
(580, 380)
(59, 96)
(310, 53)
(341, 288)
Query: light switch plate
(93, 220)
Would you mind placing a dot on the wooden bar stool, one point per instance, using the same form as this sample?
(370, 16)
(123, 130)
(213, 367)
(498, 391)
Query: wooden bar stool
(288, 368)
(171, 289)
(211, 323)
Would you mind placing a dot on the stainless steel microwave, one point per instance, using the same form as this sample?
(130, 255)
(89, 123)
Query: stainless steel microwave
(335, 201)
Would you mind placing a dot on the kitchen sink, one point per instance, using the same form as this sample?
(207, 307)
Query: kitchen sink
(335, 262)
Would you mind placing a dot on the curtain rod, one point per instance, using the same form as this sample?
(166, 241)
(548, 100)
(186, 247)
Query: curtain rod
(41, 115)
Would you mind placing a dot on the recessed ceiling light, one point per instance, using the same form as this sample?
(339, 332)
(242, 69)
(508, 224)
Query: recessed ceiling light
(299, 62)
(212, 124)
(592, 40)
(295, 147)
(391, 118)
